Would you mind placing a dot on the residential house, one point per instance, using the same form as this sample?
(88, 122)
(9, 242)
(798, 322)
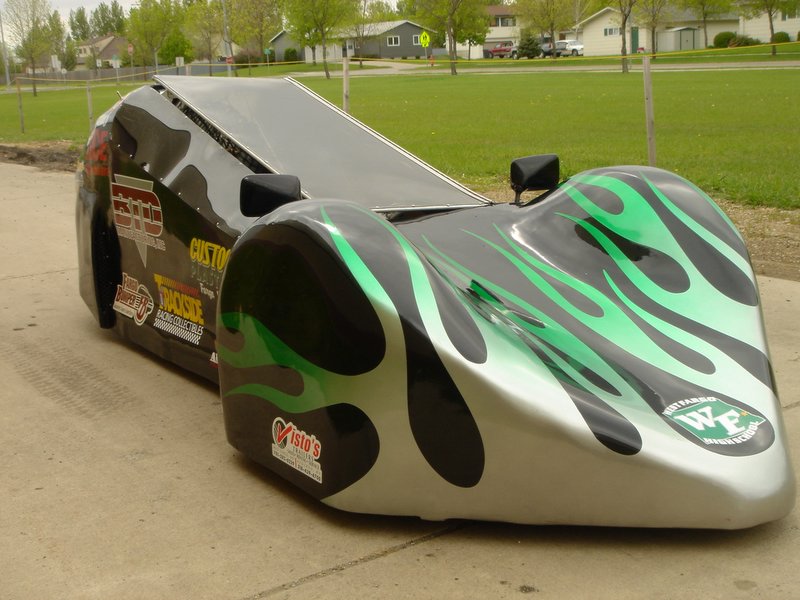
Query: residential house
(104, 49)
(390, 39)
(681, 30)
(280, 43)
(785, 20)
(502, 25)
(600, 33)
(387, 39)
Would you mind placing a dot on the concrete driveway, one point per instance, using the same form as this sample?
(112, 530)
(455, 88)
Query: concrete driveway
(116, 480)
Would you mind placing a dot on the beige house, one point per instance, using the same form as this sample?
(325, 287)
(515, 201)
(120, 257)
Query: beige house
(679, 30)
(758, 27)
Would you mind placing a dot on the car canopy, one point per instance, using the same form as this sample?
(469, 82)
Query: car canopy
(290, 129)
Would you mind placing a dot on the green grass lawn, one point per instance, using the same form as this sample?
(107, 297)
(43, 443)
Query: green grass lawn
(721, 56)
(56, 113)
(733, 133)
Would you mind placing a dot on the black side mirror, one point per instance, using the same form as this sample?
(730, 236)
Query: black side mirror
(261, 194)
(539, 172)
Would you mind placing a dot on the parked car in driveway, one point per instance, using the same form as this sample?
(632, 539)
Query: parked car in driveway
(502, 50)
(562, 48)
(569, 48)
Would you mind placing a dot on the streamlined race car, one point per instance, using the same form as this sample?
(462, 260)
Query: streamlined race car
(391, 342)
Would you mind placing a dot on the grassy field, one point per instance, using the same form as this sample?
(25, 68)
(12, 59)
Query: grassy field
(734, 133)
(56, 113)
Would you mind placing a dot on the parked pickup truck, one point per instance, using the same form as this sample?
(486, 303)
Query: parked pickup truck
(502, 50)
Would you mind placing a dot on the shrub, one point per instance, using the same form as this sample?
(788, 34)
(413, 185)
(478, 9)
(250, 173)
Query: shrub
(742, 40)
(290, 55)
(723, 39)
(780, 37)
(528, 46)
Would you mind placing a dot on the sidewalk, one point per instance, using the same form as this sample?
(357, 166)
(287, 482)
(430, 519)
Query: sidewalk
(116, 480)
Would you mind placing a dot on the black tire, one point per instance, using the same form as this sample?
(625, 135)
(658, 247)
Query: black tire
(514, 55)
(574, 52)
(107, 271)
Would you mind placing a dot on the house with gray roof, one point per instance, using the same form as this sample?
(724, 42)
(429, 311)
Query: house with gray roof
(386, 39)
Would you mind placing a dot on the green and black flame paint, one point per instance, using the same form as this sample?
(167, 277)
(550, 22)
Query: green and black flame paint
(628, 287)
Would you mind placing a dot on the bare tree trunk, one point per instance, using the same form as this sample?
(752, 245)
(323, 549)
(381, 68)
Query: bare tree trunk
(652, 42)
(705, 29)
(33, 77)
(624, 51)
(325, 57)
(772, 33)
(451, 45)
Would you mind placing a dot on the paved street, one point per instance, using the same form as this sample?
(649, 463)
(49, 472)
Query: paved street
(116, 481)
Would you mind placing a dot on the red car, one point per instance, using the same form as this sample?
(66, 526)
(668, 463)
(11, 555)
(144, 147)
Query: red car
(502, 50)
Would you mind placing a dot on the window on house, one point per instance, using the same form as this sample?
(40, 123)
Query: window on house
(415, 40)
(789, 14)
(505, 21)
(608, 31)
(393, 40)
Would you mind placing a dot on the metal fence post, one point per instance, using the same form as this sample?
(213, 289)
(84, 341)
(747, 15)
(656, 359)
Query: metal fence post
(346, 84)
(89, 102)
(19, 104)
(648, 111)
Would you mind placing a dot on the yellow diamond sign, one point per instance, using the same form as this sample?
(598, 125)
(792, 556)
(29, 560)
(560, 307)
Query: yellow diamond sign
(424, 39)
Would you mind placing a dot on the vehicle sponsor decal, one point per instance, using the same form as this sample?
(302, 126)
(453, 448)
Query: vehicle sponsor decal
(137, 213)
(208, 261)
(296, 448)
(180, 312)
(713, 421)
(133, 300)
(208, 292)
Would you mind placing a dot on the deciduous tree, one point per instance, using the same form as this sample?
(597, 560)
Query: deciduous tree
(770, 8)
(318, 21)
(149, 24)
(204, 27)
(625, 8)
(650, 14)
(79, 26)
(107, 19)
(460, 20)
(253, 23)
(547, 16)
(27, 20)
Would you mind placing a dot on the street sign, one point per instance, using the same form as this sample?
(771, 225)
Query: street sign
(425, 39)
(130, 49)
